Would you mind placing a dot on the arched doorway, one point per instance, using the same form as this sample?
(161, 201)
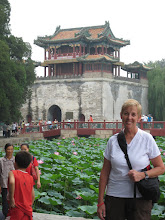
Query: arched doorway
(28, 118)
(81, 117)
(54, 112)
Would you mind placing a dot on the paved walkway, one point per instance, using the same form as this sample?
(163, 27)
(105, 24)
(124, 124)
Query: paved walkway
(41, 216)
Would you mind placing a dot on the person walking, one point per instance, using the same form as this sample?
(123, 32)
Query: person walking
(5, 130)
(90, 118)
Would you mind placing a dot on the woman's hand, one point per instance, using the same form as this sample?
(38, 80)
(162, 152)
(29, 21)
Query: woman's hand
(101, 212)
(38, 184)
(136, 176)
(38, 176)
(102, 185)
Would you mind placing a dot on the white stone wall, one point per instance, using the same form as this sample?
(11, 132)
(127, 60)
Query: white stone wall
(101, 97)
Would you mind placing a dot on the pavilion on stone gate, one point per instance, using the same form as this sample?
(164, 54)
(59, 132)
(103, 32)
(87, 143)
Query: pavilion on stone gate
(82, 75)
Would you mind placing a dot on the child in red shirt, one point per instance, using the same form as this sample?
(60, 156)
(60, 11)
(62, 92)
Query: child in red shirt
(21, 191)
(25, 147)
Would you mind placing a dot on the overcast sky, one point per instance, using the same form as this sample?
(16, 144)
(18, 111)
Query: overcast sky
(140, 21)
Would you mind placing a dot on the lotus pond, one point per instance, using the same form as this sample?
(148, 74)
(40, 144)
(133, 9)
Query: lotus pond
(70, 170)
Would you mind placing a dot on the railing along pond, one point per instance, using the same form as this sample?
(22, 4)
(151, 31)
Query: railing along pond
(156, 126)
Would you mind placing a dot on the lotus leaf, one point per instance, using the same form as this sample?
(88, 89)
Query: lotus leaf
(44, 200)
(89, 209)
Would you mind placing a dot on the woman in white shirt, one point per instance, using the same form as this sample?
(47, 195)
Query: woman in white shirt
(116, 177)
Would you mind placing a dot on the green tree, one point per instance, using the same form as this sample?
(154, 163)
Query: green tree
(156, 91)
(4, 18)
(16, 69)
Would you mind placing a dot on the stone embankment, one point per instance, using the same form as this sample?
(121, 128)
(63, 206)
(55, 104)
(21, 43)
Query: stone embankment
(22, 138)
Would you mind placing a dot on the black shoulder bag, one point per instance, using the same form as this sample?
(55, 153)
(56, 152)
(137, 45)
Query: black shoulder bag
(149, 188)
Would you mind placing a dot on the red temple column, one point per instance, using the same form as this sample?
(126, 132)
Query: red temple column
(45, 71)
(118, 70)
(84, 67)
(83, 50)
(54, 70)
(49, 70)
(80, 68)
(80, 51)
(45, 54)
(74, 69)
(119, 54)
(74, 55)
(115, 53)
(93, 67)
(115, 71)
(60, 70)
(106, 50)
(55, 53)
(49, 54)
(102, 50)
(95, 49)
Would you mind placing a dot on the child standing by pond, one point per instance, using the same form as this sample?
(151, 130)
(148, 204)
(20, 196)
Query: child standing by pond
(21, 191)
(25, 147)
(6, 165)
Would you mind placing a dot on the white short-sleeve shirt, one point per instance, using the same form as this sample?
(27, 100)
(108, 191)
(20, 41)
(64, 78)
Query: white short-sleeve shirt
(141, 149)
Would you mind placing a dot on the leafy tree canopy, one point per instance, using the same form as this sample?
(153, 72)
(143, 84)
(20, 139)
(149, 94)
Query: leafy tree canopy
(156, 91)
(5, 18)
(16, 69)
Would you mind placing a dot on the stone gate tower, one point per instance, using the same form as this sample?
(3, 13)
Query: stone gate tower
(82, 77)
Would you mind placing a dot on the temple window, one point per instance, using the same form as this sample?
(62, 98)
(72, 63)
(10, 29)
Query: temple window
(89, 67)
(69, 115)
(97, 67)
(110, 51)
(99, 50)
(77, 49)
(92, 50)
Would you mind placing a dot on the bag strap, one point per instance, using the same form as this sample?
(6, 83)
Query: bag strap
(123, 145)
(32, 160)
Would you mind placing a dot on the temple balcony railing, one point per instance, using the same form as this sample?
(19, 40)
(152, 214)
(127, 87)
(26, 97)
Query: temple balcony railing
(64, 56)
(73, 55)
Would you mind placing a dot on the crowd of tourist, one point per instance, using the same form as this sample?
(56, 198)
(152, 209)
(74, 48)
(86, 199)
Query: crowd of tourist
(147, 118)
(10, 130)
(17, 182)
(14, 129)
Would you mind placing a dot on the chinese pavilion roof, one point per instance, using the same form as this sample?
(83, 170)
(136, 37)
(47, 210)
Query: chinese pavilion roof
(86, 34)
(136, 67)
